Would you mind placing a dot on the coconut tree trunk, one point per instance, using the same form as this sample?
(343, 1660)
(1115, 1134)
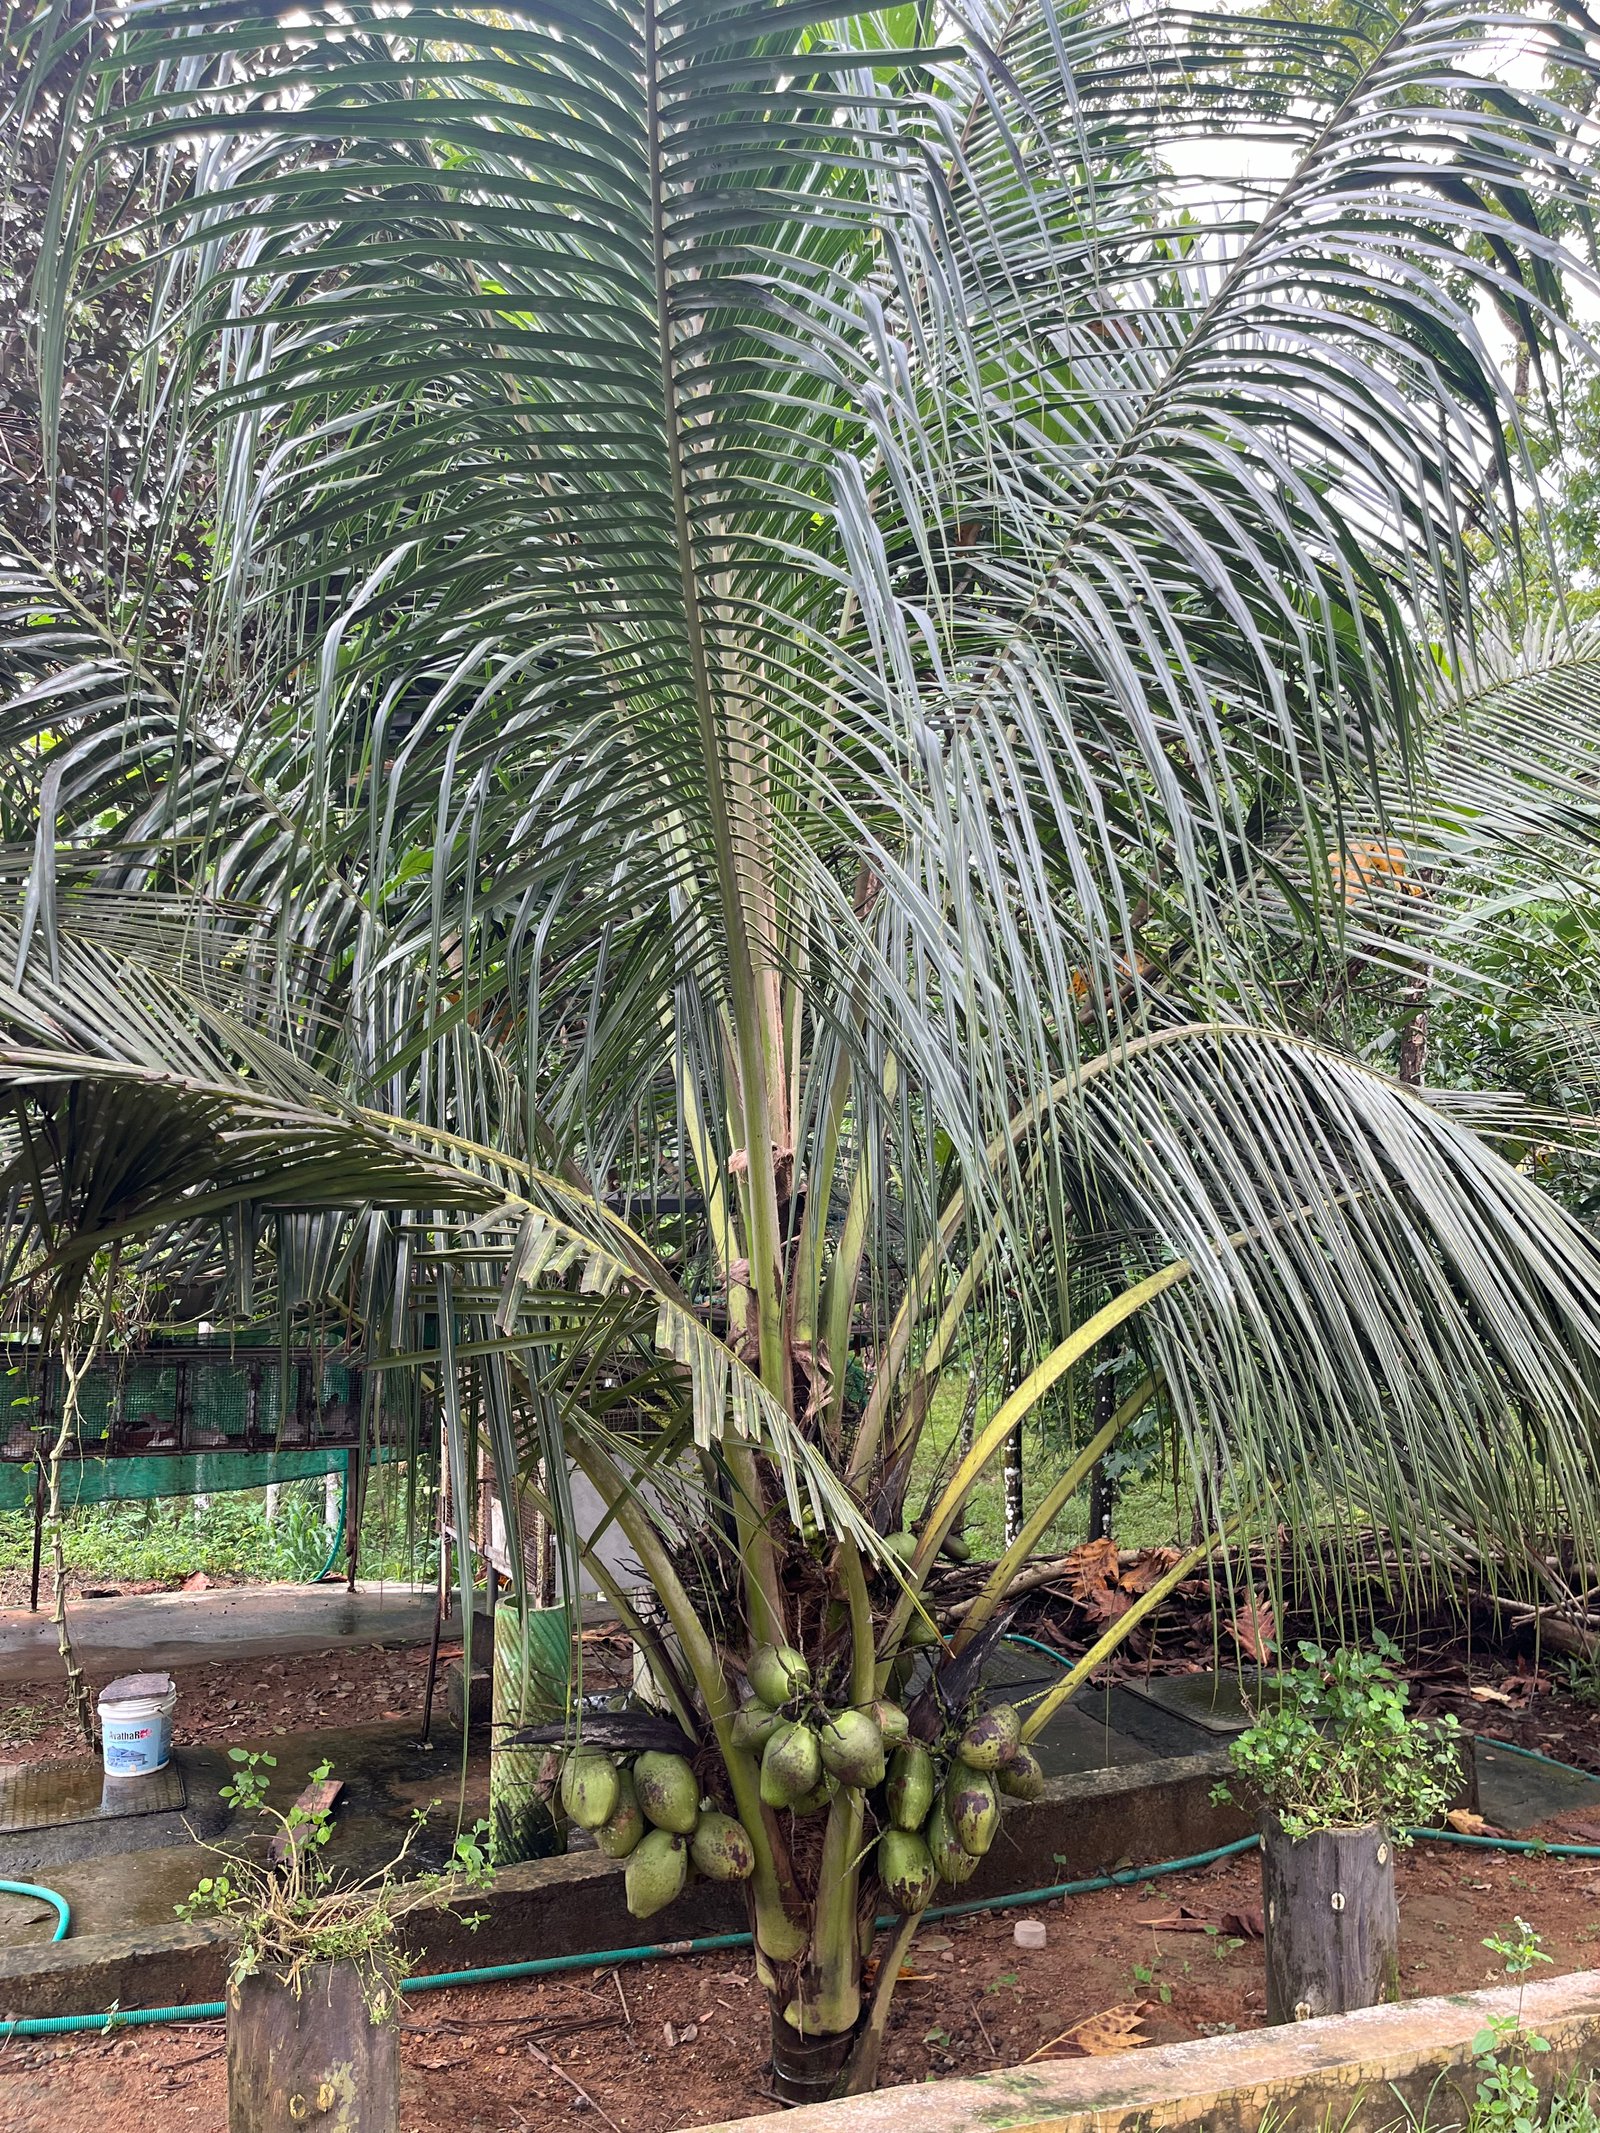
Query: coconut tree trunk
(807, 2069)
(318, 2059)
(1333, 1925)
(1013, 1484)
(1102, 1489)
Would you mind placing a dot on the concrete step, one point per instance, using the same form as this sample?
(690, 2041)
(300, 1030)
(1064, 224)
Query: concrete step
(1383, 2067)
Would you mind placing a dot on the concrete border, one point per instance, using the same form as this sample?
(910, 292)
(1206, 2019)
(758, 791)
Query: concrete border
(1084, 1825)
(1356, 2073)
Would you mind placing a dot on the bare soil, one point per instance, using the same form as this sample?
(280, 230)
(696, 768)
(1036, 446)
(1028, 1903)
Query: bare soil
(244, 1699)
(677, 2043)
(250, 1698)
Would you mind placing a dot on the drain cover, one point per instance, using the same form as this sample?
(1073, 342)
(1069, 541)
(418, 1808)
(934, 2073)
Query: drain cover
(48, 1795)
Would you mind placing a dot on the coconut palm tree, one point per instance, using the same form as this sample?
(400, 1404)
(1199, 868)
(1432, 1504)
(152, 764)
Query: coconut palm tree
(802, 611)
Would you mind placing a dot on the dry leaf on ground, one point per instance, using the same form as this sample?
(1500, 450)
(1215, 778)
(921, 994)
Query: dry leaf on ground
(1100, 2036)
(1245, 1924)
(1467, 1824)
(1148, 1568)
(1088, 1570)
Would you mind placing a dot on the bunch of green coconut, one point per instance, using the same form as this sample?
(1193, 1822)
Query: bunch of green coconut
(649, 1811)
(938, 1808)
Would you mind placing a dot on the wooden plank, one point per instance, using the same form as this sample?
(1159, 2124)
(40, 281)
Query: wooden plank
(316, 1803)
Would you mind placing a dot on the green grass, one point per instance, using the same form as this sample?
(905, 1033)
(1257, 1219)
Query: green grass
(1144, 1517)
(169, 1537)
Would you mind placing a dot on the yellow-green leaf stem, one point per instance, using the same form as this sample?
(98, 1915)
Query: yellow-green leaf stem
(1006, 1417)
(1036, 1525)
(1124, 1626)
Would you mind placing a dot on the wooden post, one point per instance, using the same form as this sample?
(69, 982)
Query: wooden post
(1333, 1925)
(316, 2064)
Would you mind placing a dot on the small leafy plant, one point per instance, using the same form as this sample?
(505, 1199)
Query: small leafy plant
(1338, 1749)
(1508, 2095)
(296, 1910)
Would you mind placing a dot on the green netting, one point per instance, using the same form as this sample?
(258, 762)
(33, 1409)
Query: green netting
(198, 1401)
(91, 1480)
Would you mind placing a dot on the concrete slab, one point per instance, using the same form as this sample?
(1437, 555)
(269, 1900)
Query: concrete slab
(1219, 1703)
(386, 1778)
(53, 1794)
(70, 1811)
(1357, 2072)
(156, 1630)
(1515, 1792)
(1087, 1734)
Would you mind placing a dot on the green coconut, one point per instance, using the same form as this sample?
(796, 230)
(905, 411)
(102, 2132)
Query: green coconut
(590, 1787)
(991, 1740)
(921, 1632)
(852, 1748)
(911, 1787)
(903, 1544)
(618, 1836)
(755, 1725)
(778, 1674)
(973, 1806)
(893, 1723)
(952, 1861)
(657, 1868)
(956, 1546)
(791, 1765)
(669, 1791)
(721, 1848)
(1023, 1777)
(906, 1870)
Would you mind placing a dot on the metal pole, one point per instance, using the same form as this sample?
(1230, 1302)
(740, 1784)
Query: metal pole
(425, 1739)
(38, 1533)
(352, 1513)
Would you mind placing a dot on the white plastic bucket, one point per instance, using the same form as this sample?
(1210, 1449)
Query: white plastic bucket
(136, 1724)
